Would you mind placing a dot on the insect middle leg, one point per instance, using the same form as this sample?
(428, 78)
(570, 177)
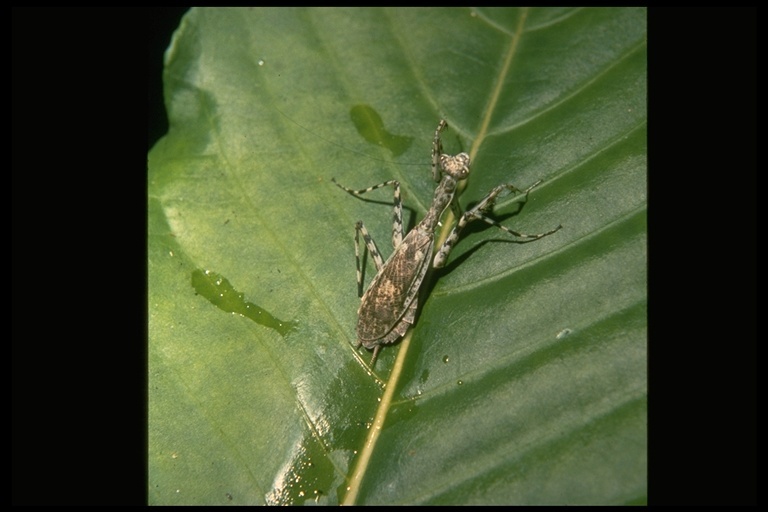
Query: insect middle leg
(397, 229)
(478, 213)
(397, 216)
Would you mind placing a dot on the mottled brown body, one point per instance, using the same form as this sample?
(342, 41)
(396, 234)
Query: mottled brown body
(388, 308)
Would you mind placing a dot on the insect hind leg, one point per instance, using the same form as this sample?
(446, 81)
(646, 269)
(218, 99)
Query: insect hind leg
(376, 351)
(370, 245)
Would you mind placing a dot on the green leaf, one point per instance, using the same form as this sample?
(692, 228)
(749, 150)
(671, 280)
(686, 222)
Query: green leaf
(524, 380)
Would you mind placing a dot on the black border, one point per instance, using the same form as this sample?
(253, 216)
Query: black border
(79, 398)
(79, 250)
(702, 256)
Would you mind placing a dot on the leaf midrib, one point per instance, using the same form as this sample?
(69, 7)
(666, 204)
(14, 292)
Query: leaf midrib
(358, 475)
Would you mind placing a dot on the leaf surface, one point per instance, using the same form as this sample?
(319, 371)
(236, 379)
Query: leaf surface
(524, 379)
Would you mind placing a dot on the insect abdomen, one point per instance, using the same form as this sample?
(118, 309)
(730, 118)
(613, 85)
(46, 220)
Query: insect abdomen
(389, 305)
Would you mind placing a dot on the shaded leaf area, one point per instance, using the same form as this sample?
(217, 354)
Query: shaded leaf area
(525, 381)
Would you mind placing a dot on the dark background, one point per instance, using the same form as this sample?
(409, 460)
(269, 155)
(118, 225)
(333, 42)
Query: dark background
(81, 129)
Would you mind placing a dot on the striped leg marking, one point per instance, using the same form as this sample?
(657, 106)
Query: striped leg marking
(370, 244)
(437, 150)
(477, 213)
(388, 309)
(397, 216)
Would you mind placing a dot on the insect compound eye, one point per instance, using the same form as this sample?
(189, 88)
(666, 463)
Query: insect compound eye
(455, 166)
